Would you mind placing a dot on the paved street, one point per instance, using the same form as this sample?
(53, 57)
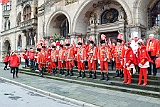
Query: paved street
(16, 96)
(92, 95)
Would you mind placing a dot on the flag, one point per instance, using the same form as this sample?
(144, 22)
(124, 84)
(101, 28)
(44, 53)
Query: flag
(109, 43)
(4, 1)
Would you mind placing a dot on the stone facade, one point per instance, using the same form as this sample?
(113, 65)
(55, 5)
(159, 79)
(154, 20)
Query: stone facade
(31, 20)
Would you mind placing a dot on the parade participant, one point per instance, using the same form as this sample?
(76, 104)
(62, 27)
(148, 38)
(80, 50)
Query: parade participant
(143, 62)
(134, 46)
(69, 56)
(128, 62)
(61, 58)
(104, 57)
(152, 47)
(54, 58)
(14, 63)
(92, 58)
(31, 58)
(117, 56)
(42, 59)
(81, 58)
(48, 58)
(6, 61)
(26, 56)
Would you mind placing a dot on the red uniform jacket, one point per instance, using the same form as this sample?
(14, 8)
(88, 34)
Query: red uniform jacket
(14, 60)
(26, 55)
(41, 58)
(152, 46)
(92, 53)
(54, 54)
(61, 55)
(128, 57)
(143, 56)
(117, 53)
(31, 55)
(6, 59)
(48, 55)
(104, 52)
(81, 54)
(69, 54)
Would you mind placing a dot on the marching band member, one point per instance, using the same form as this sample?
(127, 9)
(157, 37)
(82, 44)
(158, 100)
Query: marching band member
(92, 58)
(128, 62)
(152, 47)
(104, 57)
(69, 56)
(117, 56)
(143, 62)
(81, 58)
(61, 58)
(54, 57)
(41, 58)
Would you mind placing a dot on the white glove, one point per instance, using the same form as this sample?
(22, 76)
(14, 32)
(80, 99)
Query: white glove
(49, 56)
(127, 64)
(98, 61)
(112, 59)
(105, 59)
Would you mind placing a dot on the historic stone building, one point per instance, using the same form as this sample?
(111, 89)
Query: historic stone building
(26, 21)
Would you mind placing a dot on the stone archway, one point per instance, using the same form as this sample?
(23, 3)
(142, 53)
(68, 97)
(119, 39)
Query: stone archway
(6, 48)
(86, 7)
(58, 23)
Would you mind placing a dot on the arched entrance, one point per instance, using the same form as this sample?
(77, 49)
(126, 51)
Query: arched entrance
(97, 17)
(58, 25)
(6, 47)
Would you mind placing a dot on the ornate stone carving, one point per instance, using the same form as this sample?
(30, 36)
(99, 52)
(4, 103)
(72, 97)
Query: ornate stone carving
(92, 19)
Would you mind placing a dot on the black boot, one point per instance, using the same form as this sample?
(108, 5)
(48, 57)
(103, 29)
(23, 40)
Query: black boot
(121, 74)
(41, 73)
(53, 71)
(79, 74)
(102, 76)
(67, 73)
(62, 70)
(90, 74)
(83, 74)
(94, 76)
(117, 73)
(107, 78)
(71, 72)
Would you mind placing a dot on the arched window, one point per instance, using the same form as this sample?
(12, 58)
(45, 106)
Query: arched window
(27, 13)
(19, 19)
(155, 14)
(109, 16)
(20, 41)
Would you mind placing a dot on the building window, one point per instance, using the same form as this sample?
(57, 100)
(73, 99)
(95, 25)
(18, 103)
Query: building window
(27, 13)
(155, 14)
(20, 41)
(19, 19)
(109, 16)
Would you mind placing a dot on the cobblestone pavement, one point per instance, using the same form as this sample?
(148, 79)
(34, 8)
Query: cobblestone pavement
(92, 95)
(16, 96)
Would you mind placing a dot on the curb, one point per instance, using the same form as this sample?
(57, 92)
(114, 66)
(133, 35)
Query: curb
(53, 95)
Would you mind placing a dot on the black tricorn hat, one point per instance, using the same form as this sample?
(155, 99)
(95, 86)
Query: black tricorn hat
(119, 40)
(92, 42)
(67, 44)
(53, 46)
(61, 46)
(43, 47)
(102, 41)
(79, 43)
(39, 49)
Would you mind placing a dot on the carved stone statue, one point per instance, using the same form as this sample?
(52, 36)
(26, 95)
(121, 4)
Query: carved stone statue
(121, 14)
(92, 19)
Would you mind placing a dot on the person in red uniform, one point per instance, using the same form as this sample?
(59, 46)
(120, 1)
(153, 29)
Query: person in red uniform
(81, 58)
(14, 63)
(128, 62)
(104, 57)
(117, 56)
(26, 57)
(48, 58)
(92, 58)
(152, 47)
(143, 62)
(6, 61)
(41, 59)
(61, 58)
(54, 58)
(69, 56)
(31, 58)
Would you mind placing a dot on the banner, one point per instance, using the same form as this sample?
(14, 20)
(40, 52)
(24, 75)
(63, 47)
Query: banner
(4, 1)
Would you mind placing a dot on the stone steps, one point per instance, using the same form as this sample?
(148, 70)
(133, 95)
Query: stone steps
(152, 89)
